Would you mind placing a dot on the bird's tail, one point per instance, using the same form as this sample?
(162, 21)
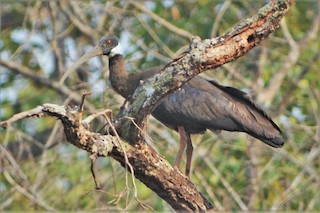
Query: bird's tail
(253, 120)
(274, 140)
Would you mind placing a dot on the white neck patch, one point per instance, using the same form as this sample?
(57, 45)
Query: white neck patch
(116, 50)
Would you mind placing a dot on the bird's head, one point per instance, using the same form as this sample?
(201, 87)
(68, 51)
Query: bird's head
(108, 45)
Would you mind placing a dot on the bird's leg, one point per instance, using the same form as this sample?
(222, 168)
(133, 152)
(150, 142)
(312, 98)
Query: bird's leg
(182, 146)
(189, 152)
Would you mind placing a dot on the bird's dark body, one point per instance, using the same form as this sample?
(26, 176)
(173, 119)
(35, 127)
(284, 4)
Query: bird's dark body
(201, 104)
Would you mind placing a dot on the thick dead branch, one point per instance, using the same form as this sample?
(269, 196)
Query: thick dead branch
(150, 168)
(77, 132)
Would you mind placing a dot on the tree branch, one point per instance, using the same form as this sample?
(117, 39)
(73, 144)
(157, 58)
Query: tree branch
(150, 168)
(267, 94)
(42, 80)
(181, 32)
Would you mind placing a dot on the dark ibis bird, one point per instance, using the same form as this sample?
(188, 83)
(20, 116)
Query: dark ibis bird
(198, 105)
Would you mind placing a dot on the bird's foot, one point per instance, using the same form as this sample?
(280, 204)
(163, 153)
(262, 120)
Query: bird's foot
(187, 173)
(176, 167)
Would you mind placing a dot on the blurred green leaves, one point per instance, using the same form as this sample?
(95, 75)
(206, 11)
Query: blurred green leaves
(263, 178)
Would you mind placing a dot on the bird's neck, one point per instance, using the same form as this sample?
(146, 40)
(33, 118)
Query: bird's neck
(121, 81)
(119, 77)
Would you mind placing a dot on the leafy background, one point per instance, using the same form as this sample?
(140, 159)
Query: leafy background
(41, 171)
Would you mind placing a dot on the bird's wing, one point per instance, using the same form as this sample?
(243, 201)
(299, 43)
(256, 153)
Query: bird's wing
(197, 106)
(244, 99)
(208, 105)
(202, 104)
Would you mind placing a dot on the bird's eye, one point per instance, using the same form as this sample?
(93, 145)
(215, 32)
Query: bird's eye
(108, 41)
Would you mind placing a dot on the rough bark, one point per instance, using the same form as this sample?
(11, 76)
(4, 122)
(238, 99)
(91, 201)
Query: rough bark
(153, 170)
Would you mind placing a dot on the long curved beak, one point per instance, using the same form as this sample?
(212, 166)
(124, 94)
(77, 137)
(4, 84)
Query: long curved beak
(94, 52)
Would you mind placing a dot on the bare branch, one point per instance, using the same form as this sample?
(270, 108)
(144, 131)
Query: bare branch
(218, 19)
(84, 28)
(315, 151)
(36, 112)
(226, 184)
(162, 21)
(42, 80)
(294, 85)
(271, 90)
(155, 37)
(20, 180)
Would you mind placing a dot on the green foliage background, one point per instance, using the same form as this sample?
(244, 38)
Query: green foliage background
(231, 169)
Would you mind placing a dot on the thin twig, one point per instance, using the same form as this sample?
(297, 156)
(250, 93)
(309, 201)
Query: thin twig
(30, 113)
(218, 18)
(208, 189)
(156, 38)
(314, 152)
(294, 84)
(266, 96)
(144, 133)
(42, 80)
(226, 184)
(34, 197)
(162, 21)
(84, 28)
(20, 181)
(93, 159)
(125, 156)
(144, 47)
(91, 117)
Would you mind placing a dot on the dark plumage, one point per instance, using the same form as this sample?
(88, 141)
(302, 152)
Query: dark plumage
(198, 105)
